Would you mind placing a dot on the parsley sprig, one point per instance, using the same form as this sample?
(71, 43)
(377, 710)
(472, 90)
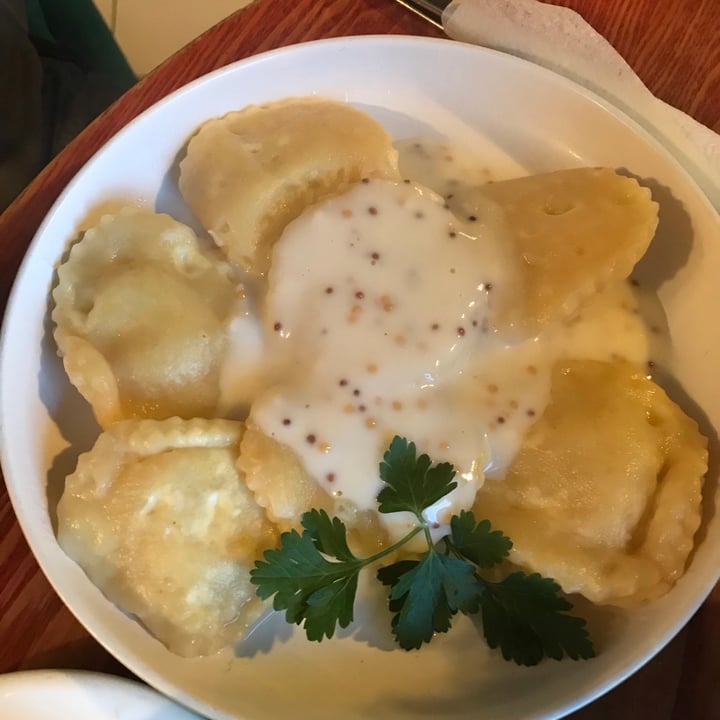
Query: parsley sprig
(313, 575)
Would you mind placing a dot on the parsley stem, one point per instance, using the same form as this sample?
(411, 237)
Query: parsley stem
(428, 536)
(392, 548)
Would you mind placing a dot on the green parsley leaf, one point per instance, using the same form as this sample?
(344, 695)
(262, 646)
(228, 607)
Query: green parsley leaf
(476, 541)
(306, 585)
(328, 534)
(526, 618)
(329, 606)
(313, 576)
(411, 483)
(426, 594)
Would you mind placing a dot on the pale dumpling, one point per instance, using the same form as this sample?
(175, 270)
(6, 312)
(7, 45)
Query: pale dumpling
(573, 231)
(605, 492)
(160, 520)
(248, 174)
(141, 307)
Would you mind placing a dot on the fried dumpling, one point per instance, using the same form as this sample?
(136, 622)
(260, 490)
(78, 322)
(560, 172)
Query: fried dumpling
(248, 174)
(285, 490)
(140, 318)
(160, 520)
(574, 231)
(605, 493)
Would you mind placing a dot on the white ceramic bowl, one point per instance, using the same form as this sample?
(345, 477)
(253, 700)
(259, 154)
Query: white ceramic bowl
(523, 119)
(59, 695)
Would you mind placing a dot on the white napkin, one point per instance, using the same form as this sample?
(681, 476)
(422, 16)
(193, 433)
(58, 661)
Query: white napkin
(559, 39)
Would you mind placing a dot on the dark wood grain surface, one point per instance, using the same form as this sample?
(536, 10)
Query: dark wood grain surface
(673, 45)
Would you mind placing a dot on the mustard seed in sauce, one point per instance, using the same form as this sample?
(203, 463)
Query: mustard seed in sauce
(343, 382)
(286, 421)
(365, 180)
(370, 423)
(406, 181)
(434, 326)
(330, 477)
(361, 408)
(328, 290)
(472, 218)
(452, 234)
(531, 413)
(311, 439)
(501, 419)
(372, 210)
(372, 368)
(461, 331)
(347, 213)
(359, 294)
(277, 327)
(375, 256)
(356, 392)
(419, 215)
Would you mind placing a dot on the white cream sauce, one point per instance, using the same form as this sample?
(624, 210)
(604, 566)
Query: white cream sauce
(378, 321)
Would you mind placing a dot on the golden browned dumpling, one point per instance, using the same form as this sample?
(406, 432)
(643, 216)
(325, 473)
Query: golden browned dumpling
(248, 174)
(278, 480)
(140, 316)
(604, 495)
(160, 520)
(573, 231)
(281, 485)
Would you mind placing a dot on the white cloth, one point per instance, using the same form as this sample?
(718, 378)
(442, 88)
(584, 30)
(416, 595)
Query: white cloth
(559, 39)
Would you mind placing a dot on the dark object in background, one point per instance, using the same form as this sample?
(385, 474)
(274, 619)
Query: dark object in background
(59, 69)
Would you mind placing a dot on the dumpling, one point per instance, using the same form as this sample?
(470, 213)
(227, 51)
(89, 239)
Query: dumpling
(605, 492)
(574, 231)
(140, 316)
(282, 486)
(248, 174)
(160, 520)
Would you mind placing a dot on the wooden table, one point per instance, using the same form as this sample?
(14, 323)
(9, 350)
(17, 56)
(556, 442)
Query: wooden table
(674, 46)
